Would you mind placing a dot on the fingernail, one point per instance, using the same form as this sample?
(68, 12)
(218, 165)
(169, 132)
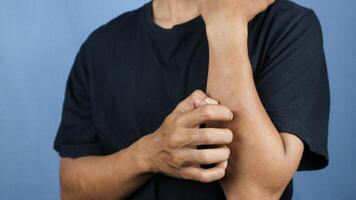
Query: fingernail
(225, 164)
(232, 115)
(209, 100)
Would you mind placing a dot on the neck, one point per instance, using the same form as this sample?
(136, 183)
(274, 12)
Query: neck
(168, 13)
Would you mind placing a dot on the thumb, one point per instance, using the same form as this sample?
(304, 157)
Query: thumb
(196, 99)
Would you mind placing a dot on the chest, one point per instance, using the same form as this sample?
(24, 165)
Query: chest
(137, 89)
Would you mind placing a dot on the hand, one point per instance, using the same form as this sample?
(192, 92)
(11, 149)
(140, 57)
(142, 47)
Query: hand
(222, 11)
(172, 148)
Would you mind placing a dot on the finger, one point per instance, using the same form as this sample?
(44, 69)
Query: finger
(207, 100)
(223, 165)
(189, 103)
(202, 175)
(210, 136)
(205, 156)
(206, 113)
(196, 99)
(202, 136)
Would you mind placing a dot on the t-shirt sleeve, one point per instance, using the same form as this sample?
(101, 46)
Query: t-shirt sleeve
(293, 86)
(76, 135)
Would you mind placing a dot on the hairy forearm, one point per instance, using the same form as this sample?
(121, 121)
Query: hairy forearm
(103, 177)
(259, 152)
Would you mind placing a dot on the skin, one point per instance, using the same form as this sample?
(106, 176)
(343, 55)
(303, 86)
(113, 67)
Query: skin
(262, 160)
(171, 150)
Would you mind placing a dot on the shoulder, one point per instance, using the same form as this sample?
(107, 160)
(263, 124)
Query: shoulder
(284, 25)
(285, 11)
(117, 29)
(286, 18)
(290, 6)
(291, 23)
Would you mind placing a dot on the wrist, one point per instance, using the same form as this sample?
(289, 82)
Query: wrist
(228, 40)
(226, 22)
(138, 154)
(236, 30)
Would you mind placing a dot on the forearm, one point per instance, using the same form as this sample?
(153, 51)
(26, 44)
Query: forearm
(103, 177)
(230, 80)
(170, 150)
(259, 151)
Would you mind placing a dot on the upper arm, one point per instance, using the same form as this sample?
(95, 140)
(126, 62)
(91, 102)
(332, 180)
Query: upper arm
(293, 87)
(76, 134)
(294, 148)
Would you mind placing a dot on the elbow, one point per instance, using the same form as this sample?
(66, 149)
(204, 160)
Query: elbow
(282, 167)
(66, 180)
(293, 150)
(71, 183)
(287, 164)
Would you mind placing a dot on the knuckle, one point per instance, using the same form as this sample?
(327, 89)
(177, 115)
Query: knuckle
(176, 159)
(198, 93)
(174, 141)
(203, 157)
(197, 96)
(190, 138)
(207, 112)
(206, 137)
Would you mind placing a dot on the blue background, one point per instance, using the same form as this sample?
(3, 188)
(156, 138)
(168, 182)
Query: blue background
(38, 42)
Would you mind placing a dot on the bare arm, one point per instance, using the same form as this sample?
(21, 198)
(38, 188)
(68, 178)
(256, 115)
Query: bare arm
(170, 150)
(262, 160)
(103, 177)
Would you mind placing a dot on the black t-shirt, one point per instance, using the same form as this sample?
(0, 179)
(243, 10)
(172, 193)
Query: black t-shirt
(130, 74)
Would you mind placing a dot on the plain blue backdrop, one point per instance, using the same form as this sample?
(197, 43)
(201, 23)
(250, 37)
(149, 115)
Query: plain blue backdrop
(38, 42)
